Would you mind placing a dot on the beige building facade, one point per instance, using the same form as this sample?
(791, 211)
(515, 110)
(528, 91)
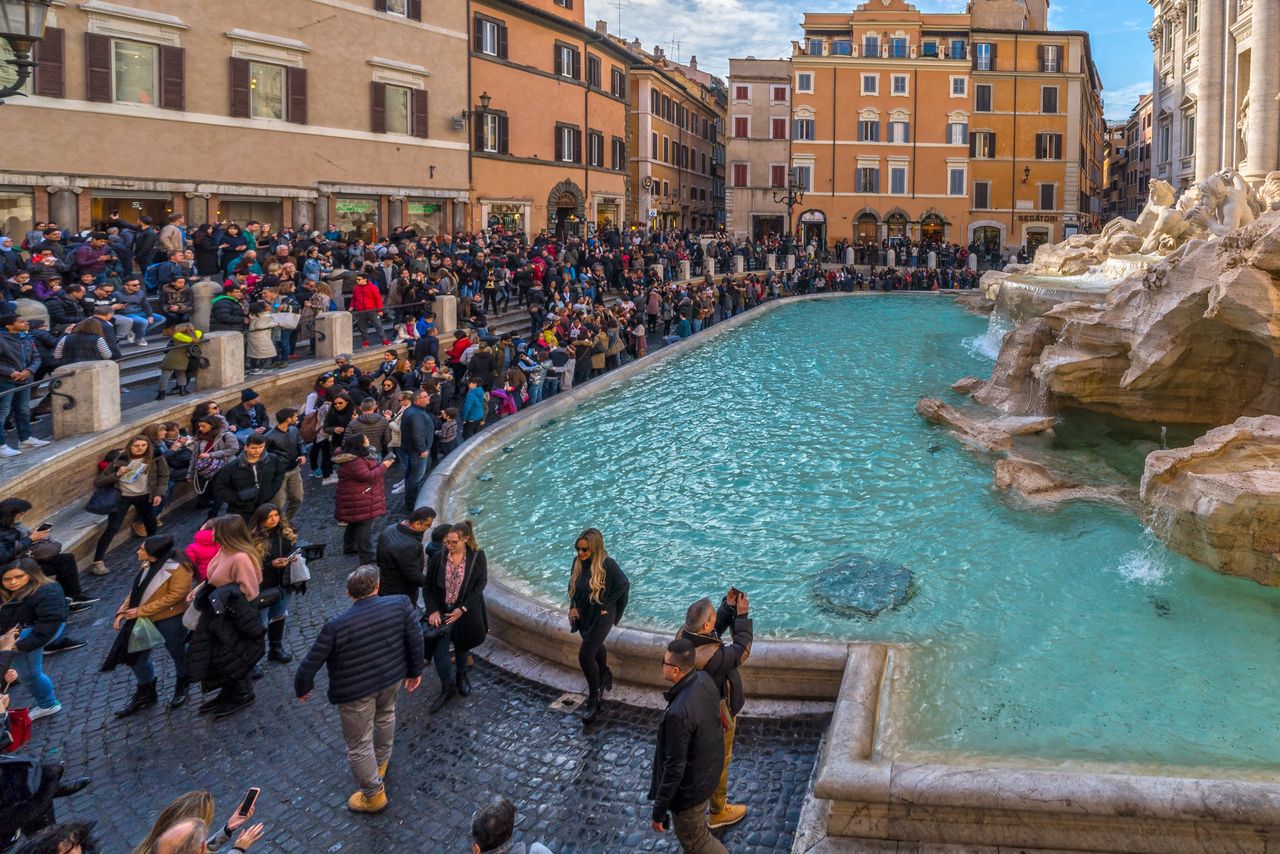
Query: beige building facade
(1216, 80)
(344, 113)
(758, 163)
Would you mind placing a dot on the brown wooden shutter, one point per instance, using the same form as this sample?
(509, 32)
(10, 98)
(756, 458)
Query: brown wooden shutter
(418, 127)
(993, 144)
(577, 146)
(559, 59)
(559, 144)
(479, 131)
(577, 65)
(414, 11)
(50, 58)
(502, 135)
(1040, 53)
(296, 80)
(973, 145)
(378, 107)
(97, 64)
(239, 88)
(993, 56)
(502, 41)
(380, 5)
(477, 35)
(173, 73)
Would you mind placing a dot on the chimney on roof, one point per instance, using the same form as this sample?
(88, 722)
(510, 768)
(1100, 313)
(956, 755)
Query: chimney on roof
(635, 45)
(657, 51)
(602, 27)
(693, 62)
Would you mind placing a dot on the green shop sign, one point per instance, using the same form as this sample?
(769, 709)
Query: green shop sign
(356, 206)
(423, 208)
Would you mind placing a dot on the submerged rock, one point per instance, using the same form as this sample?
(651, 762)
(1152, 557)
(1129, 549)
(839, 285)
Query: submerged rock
(993, 434)
(1035, 482)
(968, 385)
(862, 586)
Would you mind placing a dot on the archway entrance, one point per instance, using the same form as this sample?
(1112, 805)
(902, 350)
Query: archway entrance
(932, 228)
(988, 238)
(813, 229)
(1035, 237)
(867, 228)
(897, 225)
(565, 210)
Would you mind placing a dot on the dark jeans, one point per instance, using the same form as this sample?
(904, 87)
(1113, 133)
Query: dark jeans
(438, 651)
(62, 569)
(146, 515)
(415, 472)
(19, 404)
(175, 641)
(34, 812)
(359, 537)
(470, 428)
(321, 456)
(592, 656)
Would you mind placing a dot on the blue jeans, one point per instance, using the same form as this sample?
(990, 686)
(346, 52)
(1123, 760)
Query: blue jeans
(19, 402)
(278, 609)
(551, 385)
(175, 641)
(415, 472)
(140, 324)
(30, 670)
(535, 393)
(697, 325)
(443, 660)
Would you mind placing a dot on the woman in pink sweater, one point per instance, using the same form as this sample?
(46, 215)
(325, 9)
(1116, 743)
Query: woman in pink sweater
(238, 561)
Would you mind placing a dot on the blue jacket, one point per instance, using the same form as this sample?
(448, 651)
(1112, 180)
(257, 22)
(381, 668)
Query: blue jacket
(417, 430)
(17, 353)
(371, 646)
(473, 406)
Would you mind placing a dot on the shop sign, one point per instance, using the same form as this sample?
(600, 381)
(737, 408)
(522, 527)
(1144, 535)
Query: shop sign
(653, 213)
(499, 208)
(355, 206)
(423, 208)
(813, 217)
(1037, 217)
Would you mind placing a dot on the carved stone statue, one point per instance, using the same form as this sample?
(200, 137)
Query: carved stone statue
(1242, 125)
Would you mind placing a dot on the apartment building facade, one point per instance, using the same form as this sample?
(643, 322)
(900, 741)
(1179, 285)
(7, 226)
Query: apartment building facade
(548, 119)
(1137, 174)
(758, 146)
(272, 112)
(676, 115)
(1114, 155)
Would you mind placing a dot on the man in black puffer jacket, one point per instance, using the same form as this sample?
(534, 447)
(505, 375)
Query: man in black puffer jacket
(250, 480)
(371, 649)
(690, 751)
(401, 557)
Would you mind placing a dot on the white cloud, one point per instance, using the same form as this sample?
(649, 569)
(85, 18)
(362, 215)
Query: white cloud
(1118, 103)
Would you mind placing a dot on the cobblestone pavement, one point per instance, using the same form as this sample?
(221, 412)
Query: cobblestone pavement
(575, 792)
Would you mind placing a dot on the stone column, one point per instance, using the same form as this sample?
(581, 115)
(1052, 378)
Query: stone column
(771, 261)
(739, 264)
(395, 212)
(64, 207)
(891, 258)
(446, 309)
(685, 271)
(334, 328)
(1264, 84)
(304, 214)
(973, 262)
(202, 294)
(197, 207)
(1209, 106)
(932, 260)
(322, 214)
(791, 262)
(459, 215)
(225, 352)
(95, 386)
(709, 266)
(848, 256)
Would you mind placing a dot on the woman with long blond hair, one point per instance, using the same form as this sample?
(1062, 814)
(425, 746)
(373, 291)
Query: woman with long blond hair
(199, 805)
(597, 597)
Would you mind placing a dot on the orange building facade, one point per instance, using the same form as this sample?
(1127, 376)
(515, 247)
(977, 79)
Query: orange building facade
(549, 119)
(913, 126)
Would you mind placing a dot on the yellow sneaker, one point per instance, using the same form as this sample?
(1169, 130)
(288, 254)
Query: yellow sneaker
(382, 769)
(359, 802)
(731, 814)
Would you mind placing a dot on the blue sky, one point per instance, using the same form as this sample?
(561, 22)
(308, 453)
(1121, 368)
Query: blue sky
(714, 30)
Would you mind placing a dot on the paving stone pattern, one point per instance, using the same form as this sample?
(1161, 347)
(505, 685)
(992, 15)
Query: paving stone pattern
(576, 791)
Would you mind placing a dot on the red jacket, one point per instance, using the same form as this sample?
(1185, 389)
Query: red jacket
(361, 494)
(366, 297)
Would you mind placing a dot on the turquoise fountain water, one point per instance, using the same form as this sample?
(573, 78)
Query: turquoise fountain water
(770, 452)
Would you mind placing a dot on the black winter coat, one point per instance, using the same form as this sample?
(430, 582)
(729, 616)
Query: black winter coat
(228, 640)
(470, 631)
(227, 315)
(13, 540)
(690, 751)
(242, 491)
(43, 611)
(63, 311)
(400, 562)
(612, 601)
(371, 646)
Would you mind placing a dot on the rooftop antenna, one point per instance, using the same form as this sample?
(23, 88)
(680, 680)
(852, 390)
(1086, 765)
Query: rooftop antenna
(619, 4)
(675, 48)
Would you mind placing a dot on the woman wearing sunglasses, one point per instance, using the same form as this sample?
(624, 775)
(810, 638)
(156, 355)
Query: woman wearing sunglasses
(597, 597)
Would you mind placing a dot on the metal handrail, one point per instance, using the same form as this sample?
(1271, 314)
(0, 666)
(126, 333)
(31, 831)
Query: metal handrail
(54, 384)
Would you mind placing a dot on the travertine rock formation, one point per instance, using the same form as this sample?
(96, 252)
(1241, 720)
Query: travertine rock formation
(1218, 500)
(994, 434)
(1194, 340)
(1036, 483)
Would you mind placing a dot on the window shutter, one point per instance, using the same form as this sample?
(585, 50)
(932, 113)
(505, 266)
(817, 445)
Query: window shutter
(296, 80)
(1040, 53)
(477, 34)
(97, 63)
(502, 41)
(380, 5)
(419, 126)
(378, 107)
(559, 58)
(559, 144)
(502, 134)
(878, 132)
(50, 57)
(173, 65)
(993, 56)
(239, 88)
(577, 146)
(577, 65)
(992, 151)
(479, 130)
(414, 10)
(973, 145)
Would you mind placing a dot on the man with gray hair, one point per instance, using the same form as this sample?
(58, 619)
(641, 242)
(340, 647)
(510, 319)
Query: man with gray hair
(371, 649)
(492, 829)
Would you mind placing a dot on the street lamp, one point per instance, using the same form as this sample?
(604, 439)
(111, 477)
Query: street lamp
(22, 25)
(790, 195)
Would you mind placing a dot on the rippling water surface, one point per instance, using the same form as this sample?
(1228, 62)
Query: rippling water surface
(763, 456)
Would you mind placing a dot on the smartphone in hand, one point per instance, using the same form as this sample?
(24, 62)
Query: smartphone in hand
(250, 798)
